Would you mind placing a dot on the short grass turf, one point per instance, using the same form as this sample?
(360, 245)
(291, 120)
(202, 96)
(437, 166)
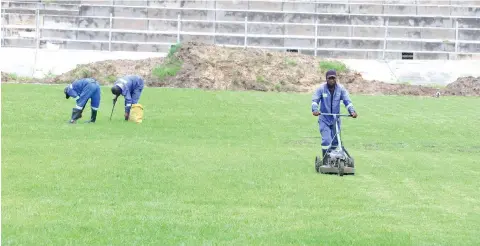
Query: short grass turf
(237, 168)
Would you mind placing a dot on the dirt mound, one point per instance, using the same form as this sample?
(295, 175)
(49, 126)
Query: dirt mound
(215, 67)
(355, 84)
(208, 66)
(4, 77)
(464, 86)
(107, 71)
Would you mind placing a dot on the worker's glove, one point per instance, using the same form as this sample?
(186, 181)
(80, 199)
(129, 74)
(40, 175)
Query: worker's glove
(316, 113)
(354, 114)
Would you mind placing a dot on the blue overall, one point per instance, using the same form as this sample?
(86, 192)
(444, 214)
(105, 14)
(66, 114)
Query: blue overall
(84, 89)
(330, 104)
(132, 87)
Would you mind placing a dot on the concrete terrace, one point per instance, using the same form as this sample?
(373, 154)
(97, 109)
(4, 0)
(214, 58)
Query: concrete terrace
(340, 29)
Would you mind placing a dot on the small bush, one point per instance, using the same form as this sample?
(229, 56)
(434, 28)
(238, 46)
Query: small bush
(290, 62)
(16, 78)
(83, 73)
(278, 87)
(335, 65)
(163, 71)
(12, 76)
(171, 65)
(111, 79)
(174, 48)
(260, 79)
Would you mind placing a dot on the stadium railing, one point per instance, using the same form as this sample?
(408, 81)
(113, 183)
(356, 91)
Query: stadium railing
(314, 37)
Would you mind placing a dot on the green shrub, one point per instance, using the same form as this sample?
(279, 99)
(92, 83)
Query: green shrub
(260, 79)
(163, 71)
(111, 79)
(290, 62)
(12, 76)
(170, 66)
(174, 48)
(335, 65)
(83, 73)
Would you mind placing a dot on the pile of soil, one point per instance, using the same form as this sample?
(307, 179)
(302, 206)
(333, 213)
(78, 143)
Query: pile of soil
(107, 71)
(213, 67)
(357, 85)
(4, 77)
(464, 86)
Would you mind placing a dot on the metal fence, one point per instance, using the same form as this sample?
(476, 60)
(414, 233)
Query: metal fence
(38, 26)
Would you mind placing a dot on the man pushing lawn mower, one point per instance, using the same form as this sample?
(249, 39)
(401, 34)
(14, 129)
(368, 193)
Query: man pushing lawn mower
(328, 97)
(82, 90)
(131, 87)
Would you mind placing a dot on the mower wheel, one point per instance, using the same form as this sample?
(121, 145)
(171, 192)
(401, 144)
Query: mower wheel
(341, 167)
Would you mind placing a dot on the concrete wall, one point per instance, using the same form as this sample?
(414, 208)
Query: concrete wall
(438, 72)
(22, 61)
(90, 14)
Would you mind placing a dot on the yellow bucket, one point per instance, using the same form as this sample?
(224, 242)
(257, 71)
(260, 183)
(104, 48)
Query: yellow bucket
(136, 113)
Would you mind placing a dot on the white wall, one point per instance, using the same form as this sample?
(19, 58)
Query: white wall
(425, 72)
(22, 62)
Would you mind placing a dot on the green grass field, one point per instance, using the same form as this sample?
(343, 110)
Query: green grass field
(236, 168)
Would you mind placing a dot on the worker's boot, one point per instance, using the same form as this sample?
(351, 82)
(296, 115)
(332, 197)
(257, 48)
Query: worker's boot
(76, 114)
(93, 118)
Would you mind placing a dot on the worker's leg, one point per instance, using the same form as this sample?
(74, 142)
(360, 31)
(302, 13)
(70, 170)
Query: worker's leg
(137, 92)
(326, 133)
(80, 103)
(334, 135)
(95, 103)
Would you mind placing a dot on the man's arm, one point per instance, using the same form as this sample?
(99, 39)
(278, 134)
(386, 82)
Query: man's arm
(128, 101)
(316, 97)
(345, 97)
(128, 104)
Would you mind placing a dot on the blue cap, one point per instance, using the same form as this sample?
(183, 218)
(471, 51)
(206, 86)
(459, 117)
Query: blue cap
(331, 73)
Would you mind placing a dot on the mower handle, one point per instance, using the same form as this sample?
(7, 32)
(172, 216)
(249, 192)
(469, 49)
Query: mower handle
(346, 115)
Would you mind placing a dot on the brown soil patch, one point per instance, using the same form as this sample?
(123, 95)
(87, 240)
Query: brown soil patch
(107, 71)
(357, 85)
(4, 77)
(464, 86)
(218, 68)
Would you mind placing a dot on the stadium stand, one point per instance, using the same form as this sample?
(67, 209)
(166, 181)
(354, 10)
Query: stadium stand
(339, 29)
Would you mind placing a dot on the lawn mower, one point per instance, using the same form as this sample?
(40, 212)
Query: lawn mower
(336, 161)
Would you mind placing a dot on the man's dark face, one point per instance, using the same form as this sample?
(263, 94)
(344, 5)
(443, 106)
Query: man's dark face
(331, 81)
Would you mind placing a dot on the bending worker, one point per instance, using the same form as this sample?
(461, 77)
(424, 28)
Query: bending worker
(82, 90)
(328, 95)
(131, 87)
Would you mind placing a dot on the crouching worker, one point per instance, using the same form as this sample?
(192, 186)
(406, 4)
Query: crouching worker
(328, 96)
(131, 87)
(82, 90)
